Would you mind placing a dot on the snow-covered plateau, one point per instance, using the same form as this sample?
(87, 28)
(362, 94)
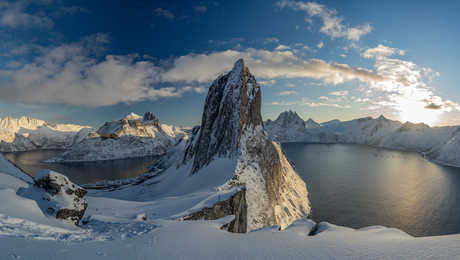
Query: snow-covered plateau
(226, 192)
(439, 144)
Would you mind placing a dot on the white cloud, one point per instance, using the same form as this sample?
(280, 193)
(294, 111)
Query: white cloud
(309, 103)
(320, 45)
(264, 64)
(381, 51)
(332, 24)
(164, 13)
(406, 88)
(339, 93)
(282, 47)
(267, 83)
(69, 74)
(321, 104)
(288, 93)
(14, 15)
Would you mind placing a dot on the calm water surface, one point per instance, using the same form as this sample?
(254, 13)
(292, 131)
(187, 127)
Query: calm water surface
(81, 173)
(358, 186)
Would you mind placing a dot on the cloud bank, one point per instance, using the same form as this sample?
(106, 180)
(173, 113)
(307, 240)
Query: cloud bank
(331, 24)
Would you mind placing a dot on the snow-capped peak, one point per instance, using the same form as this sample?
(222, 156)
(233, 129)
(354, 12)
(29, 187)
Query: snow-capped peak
(233, 102)
(310, 123)
(132, 116)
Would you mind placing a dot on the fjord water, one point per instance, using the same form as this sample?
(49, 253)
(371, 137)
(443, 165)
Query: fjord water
(81, 172)
(359, 186)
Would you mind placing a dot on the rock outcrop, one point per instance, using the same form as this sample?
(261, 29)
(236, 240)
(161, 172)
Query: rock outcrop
(61, 197)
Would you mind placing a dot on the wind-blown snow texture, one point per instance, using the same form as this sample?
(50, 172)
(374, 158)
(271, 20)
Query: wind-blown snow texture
(440, 144)
(132, 136)
(25, 133)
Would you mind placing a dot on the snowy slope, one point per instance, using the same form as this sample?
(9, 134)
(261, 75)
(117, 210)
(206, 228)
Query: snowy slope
(25, 133)
(437, 143)
(132, 136)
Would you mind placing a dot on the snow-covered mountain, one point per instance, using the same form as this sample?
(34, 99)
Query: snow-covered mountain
(131, 136)
(288, 126)
(26, 133)
(437, 143)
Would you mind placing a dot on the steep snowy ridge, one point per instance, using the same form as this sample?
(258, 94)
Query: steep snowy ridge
(26, 133)
(131, 136)
(437, 143)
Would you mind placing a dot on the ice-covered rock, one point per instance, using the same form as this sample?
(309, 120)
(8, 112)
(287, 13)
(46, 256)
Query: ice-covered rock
(26, 133)
(131, 136)
(61, 198)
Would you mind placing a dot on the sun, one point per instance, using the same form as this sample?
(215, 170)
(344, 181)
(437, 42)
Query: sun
(415, 112)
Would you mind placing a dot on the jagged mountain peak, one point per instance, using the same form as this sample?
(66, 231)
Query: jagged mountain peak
(382, 117)
(290, 119)
(232, 104)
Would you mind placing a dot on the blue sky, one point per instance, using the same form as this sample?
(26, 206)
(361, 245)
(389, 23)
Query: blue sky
(91, 61)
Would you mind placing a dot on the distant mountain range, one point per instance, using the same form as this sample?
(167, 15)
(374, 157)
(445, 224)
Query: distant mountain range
(440, 144)
(26, 133)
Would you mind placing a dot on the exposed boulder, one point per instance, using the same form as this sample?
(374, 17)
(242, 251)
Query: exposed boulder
(61, 197)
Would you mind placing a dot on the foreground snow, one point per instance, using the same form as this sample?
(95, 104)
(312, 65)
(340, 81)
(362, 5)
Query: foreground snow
(150, 228)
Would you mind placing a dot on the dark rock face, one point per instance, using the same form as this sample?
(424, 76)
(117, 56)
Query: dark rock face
(236, 205)
(61, 197)
(148, 116)
(233, 101)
